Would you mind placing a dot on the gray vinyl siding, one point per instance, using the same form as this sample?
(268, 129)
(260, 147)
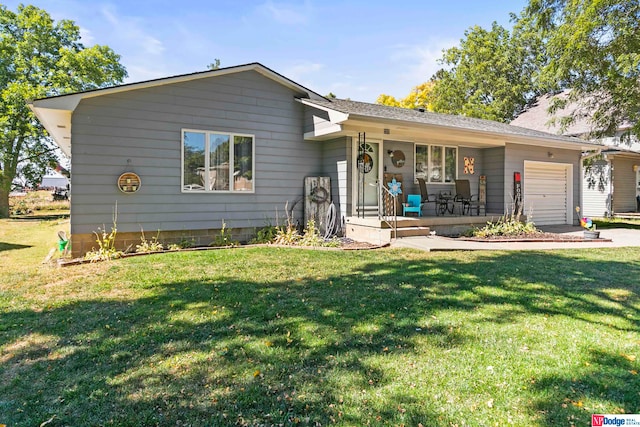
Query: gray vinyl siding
(334, 151)
(493, 169)
(516, 154)
(624, 185)
(140, 131)
(409, 186)
(478, 167)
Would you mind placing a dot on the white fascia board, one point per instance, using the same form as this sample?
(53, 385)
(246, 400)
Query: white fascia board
(327, 130)
(335, 116)
(58, 123)
(550, 143)
(322, 126)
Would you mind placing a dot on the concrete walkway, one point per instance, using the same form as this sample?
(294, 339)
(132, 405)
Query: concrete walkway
(620, 237)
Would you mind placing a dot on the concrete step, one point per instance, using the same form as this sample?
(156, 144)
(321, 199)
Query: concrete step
(412, 231)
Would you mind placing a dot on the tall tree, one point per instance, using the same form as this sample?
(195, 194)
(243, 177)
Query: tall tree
(491, 74)
(39, 58)
(594, 46)
(417, 98)
(215, 65)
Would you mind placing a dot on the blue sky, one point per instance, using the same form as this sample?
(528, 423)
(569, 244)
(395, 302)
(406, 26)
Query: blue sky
(355, 49)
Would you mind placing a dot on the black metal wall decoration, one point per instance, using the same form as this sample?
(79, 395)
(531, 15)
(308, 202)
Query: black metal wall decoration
(517, 191)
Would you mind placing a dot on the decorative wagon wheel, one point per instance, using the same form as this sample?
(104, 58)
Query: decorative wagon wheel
(319, 195)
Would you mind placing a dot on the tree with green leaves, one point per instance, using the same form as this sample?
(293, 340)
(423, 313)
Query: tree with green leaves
(492, 74)
(594, 50)
(39, 58)
(215, 65)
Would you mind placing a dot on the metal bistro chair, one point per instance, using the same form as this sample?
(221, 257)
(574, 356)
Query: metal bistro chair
(467, 200)
(426, 197)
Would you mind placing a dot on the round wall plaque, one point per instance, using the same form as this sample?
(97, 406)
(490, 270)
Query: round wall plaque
(397, 158)
(129, 182)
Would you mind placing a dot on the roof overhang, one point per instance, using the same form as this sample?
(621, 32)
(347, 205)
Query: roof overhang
(55, 112)
(340, 123)
(621, 153)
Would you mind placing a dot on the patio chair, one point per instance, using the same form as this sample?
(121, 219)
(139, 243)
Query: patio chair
(468, 201)
(425, 197)
(413, 205)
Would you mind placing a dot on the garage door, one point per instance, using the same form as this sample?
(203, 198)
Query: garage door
(547, 192)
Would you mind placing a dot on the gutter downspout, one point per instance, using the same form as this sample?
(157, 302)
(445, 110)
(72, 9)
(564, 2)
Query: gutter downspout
(585, 156)
(590, 154)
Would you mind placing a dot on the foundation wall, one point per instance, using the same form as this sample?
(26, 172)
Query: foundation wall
(127, 241)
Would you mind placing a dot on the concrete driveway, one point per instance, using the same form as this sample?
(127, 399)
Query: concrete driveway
(619, 237)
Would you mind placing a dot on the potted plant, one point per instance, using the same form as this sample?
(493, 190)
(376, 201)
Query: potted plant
(588, 225)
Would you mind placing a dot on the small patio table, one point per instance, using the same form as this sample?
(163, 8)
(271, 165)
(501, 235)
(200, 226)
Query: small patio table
(445, 203)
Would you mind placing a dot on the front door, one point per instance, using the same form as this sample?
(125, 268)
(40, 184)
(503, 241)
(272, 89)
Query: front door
(367, 172)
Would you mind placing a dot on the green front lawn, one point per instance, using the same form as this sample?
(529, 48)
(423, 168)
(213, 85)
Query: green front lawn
(268, 336)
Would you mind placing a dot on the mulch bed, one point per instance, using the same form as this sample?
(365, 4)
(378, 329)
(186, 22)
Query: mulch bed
(533, 237)
(345, 244)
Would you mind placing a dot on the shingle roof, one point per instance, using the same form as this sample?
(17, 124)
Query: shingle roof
(355, 108)
(537, 117)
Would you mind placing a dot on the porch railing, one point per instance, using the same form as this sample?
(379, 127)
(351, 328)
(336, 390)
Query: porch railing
(387, 207)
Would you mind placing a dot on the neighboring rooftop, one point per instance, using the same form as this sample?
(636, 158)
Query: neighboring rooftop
(537, 117)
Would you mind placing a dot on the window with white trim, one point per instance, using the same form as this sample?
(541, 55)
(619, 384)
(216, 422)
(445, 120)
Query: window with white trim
(217, 161)
(436, 163)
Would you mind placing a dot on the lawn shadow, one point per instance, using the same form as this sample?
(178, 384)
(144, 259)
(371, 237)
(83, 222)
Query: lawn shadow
(39, 217)
(221, 351)
(603, 225)
(274, 354)
(4, 246)
(569, 397)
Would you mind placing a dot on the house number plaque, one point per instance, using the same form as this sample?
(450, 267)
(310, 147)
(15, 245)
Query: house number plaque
(129, 182)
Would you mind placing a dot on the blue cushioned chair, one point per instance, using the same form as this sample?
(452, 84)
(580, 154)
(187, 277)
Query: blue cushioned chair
(413, 204)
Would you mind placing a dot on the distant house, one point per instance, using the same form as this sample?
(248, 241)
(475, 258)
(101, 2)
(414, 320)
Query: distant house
(610, 181)
(184, 154)
(54, 180)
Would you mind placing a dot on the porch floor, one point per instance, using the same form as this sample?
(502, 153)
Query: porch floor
(427, 221)
(374, 230)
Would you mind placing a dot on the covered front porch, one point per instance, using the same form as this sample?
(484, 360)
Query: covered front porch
(367, 147)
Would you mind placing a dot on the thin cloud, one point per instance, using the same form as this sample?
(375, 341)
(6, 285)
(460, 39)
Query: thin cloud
(132, 32)
(303, 69)
(420, 62)
(287, 14)
(86, 37)
(139, 73)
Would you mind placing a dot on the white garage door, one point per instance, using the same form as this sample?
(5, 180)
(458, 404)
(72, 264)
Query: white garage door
(547, 192)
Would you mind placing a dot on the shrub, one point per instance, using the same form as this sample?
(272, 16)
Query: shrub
(106, 245)
(311, 236)
(106, 242)
(507, 225)
(266, 234)
(224, 238)
(149, 245)
(287, 235)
